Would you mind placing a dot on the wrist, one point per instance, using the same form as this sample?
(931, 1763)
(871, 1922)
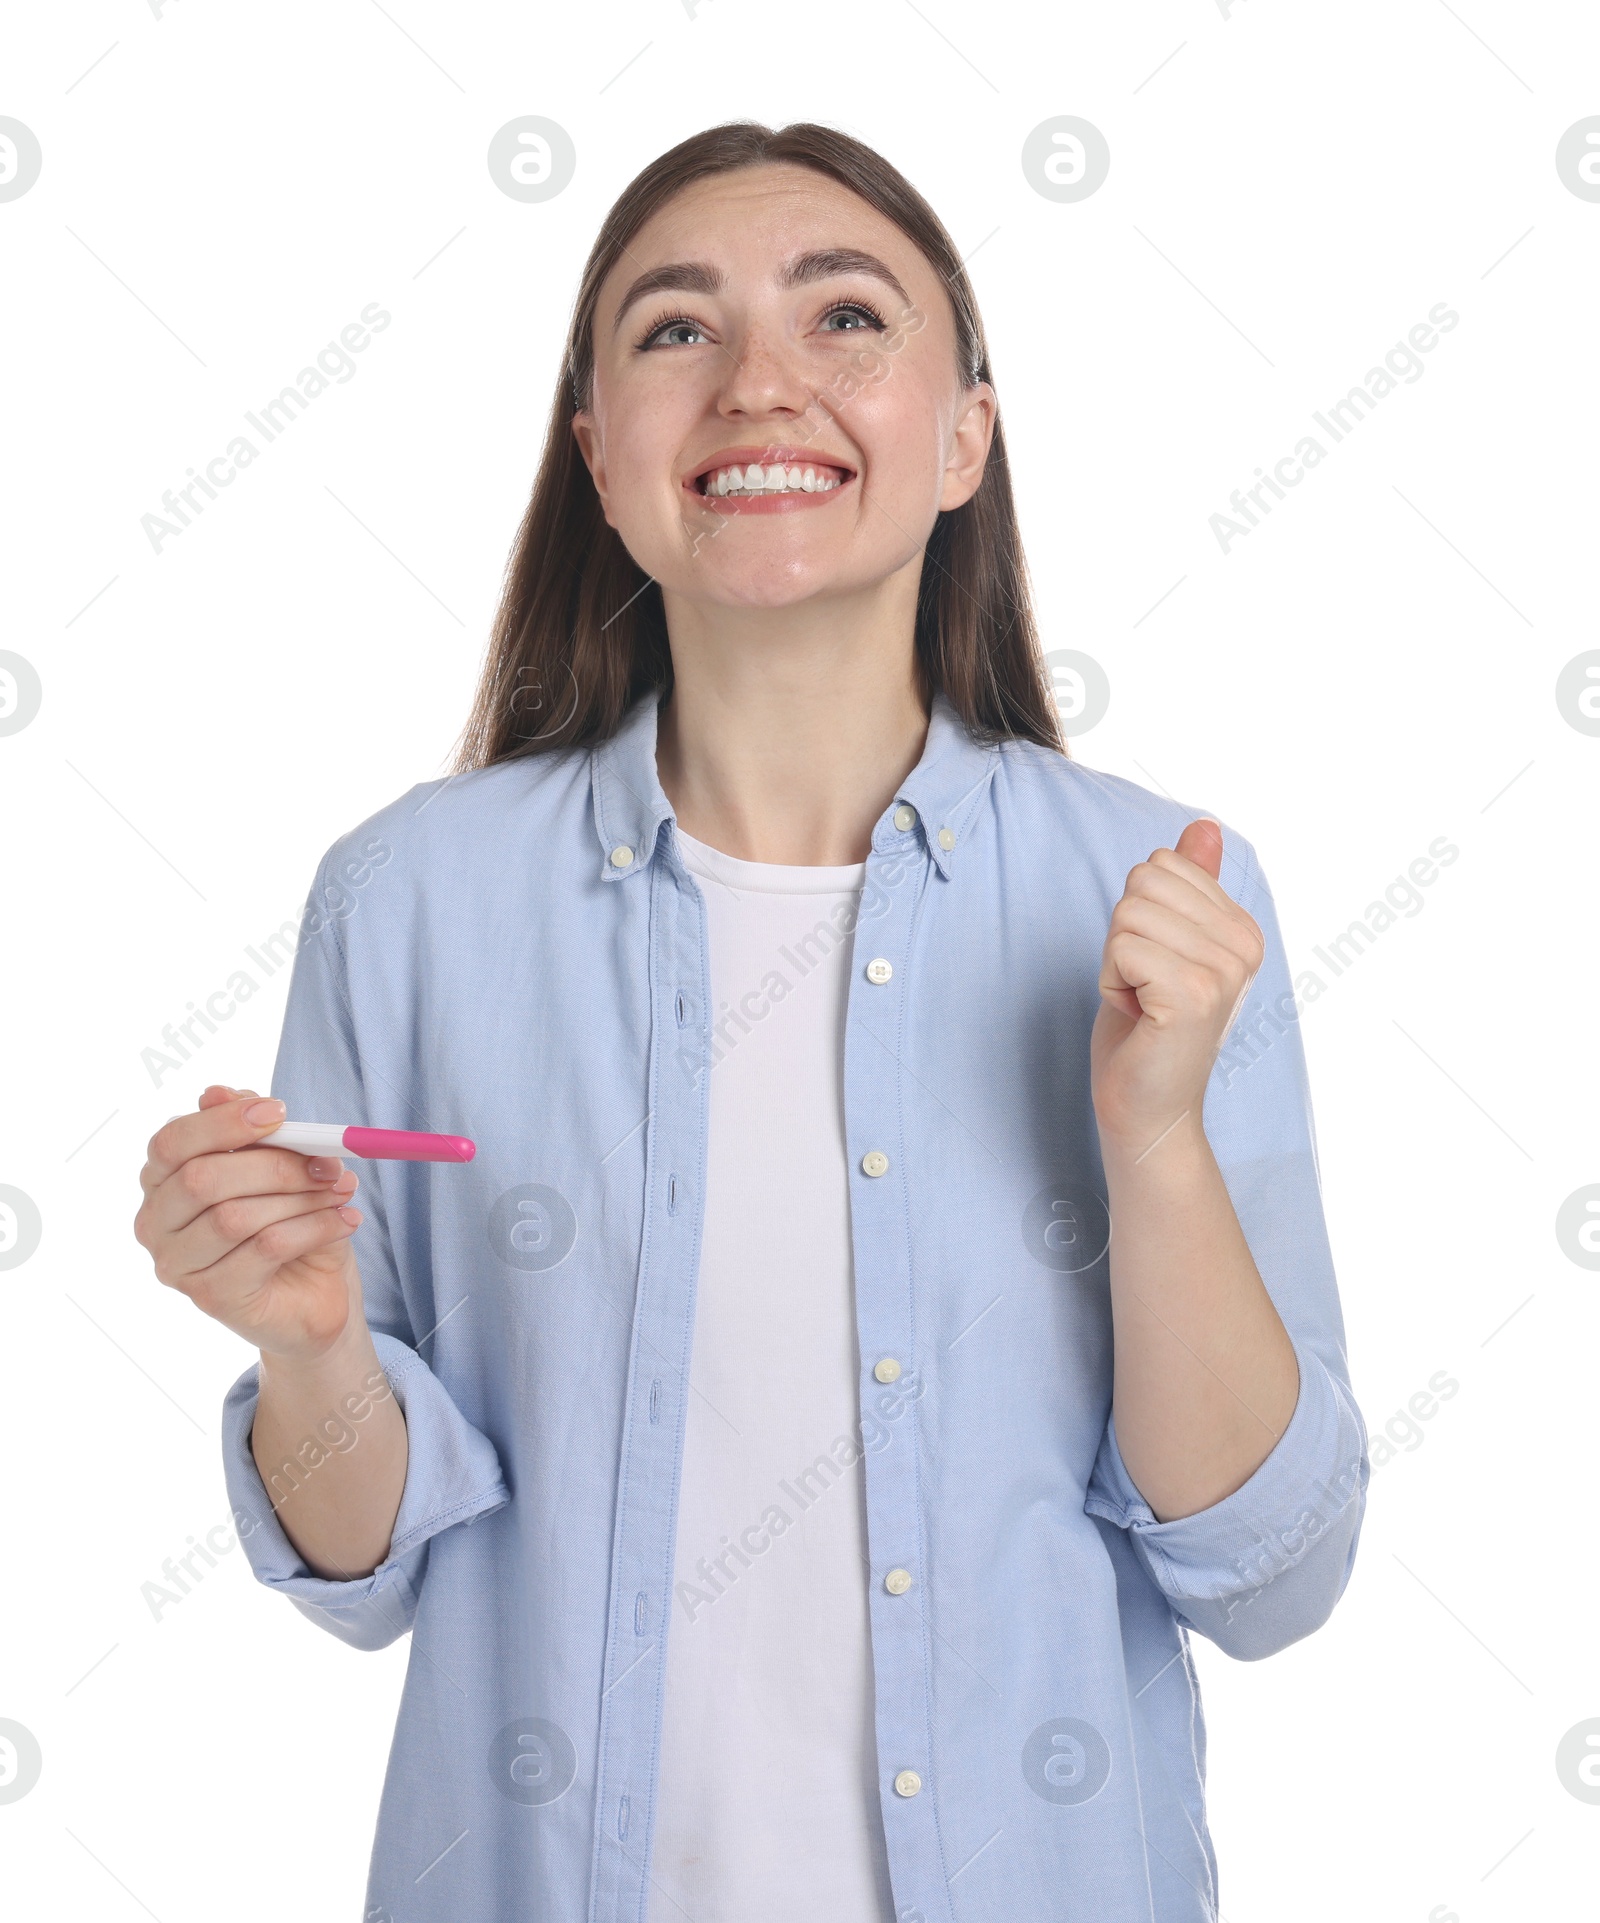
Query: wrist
(1143, 1145)
(350, 1356)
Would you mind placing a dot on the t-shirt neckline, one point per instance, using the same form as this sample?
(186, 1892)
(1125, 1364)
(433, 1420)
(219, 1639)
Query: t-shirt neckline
(768, 877)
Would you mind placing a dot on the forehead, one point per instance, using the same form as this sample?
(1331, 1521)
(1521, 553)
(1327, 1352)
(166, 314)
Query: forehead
(750, 221)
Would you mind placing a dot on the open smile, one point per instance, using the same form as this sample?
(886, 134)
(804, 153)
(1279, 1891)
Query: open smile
(767, 480)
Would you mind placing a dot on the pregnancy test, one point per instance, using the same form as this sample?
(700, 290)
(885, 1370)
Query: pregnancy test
(372, 1144)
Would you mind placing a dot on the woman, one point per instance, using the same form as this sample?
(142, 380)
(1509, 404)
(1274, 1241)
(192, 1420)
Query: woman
(842, 1491)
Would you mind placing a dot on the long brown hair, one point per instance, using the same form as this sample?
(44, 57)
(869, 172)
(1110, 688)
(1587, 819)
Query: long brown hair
(581, 633)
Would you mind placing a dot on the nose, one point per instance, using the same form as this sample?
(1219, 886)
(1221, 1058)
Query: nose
(764, 378)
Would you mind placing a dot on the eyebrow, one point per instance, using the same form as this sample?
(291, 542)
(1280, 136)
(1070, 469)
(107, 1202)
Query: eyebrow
(696, 277)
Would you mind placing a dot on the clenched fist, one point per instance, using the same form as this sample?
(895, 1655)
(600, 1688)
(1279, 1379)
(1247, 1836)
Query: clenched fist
(1179, 958)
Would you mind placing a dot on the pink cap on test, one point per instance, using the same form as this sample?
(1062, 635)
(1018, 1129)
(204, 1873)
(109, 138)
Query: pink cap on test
(401, 1145)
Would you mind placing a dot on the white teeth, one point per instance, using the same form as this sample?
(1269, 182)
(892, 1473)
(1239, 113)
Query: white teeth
(775, 478)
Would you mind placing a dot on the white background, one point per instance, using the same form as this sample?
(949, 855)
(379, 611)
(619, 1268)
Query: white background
(1373, 667)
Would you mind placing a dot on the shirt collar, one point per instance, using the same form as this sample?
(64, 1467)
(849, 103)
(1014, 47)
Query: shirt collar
(942, 793)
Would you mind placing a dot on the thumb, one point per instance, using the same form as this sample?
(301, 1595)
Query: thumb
(1201, 843)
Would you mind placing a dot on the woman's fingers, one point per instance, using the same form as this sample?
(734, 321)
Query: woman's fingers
(253, 1235)
(262, 1229)
(228, 1124)
(208, 1190)
(197, 1187)
(1199, 944)
(1190, 893)
(274, 1283)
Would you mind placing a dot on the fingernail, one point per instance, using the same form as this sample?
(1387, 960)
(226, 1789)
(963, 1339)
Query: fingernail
(322, 1168)
(352, 1216)
(262, 1112)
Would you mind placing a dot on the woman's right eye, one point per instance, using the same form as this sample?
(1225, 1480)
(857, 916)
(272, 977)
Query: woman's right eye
(671, 332)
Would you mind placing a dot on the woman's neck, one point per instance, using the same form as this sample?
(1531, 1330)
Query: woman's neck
(789, 730)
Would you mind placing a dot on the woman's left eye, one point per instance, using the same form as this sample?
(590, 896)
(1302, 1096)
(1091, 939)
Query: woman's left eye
(856, 312)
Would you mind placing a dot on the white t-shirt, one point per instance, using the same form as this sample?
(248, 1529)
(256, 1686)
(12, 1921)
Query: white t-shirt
(768, 1798)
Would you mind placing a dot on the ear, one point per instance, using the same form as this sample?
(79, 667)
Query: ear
(587, 435)
(969, 452)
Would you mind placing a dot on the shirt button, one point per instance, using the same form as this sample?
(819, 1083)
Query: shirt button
(621, 856)
(907, 1783)
(946, 838)
(874, 1162)
(879, 971)
(897, 1582)
(905, 817)
(888, 1370)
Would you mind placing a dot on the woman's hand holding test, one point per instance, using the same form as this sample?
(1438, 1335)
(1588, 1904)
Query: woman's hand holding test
(261, 1242)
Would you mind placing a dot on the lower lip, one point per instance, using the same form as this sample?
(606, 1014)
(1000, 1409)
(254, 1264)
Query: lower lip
(768, 503)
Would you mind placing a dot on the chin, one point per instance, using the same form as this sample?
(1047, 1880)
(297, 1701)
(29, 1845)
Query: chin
(719, 576)
(772, 585)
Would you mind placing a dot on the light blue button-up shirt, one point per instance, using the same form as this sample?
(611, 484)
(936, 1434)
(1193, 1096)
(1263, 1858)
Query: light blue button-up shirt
(519, 955)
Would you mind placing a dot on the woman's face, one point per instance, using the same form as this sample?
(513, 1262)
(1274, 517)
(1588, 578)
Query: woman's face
(770, 320)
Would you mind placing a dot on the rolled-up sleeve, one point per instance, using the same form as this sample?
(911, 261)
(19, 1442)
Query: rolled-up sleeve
(1265, 1566)
(453, 1474)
